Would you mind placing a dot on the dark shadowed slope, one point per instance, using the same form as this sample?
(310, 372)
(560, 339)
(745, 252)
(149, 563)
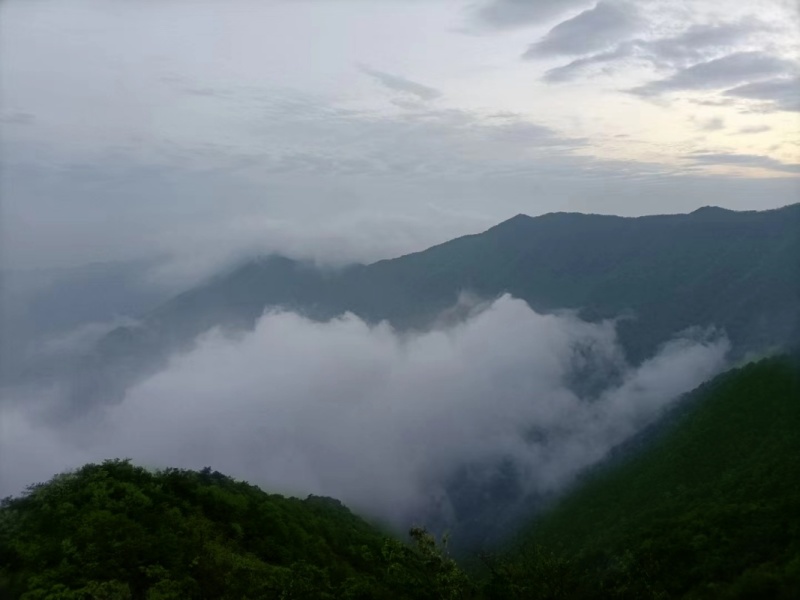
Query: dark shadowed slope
(739, 271)
(711, 509)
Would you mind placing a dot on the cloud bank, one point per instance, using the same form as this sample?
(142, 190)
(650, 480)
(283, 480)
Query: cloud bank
(777, 94)
(506, 14)
(696, 44)
(379, 419)
(722, 72)
(593, 29)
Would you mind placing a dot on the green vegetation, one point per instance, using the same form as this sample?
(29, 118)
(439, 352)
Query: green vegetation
(117, 531)
(710, 508)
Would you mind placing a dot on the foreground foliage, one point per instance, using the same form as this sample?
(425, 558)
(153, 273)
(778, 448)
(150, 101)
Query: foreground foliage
(117, 531)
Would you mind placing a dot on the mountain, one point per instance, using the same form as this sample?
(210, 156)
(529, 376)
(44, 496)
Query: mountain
(61, 299)
(38, 306)
(709, 507)
(738, 271)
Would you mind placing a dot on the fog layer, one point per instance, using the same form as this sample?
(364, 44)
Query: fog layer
(378, 419)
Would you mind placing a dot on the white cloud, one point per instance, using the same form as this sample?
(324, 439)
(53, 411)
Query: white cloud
(379, 419)
(192, 253)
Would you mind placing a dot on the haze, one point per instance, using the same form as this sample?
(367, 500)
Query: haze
(381, 420)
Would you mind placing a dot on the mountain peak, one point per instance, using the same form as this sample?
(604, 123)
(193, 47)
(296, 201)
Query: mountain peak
(519, 218)
(711, 210)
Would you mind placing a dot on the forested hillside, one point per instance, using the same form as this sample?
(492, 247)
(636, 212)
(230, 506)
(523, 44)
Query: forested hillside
(710, 510)
(117, 531)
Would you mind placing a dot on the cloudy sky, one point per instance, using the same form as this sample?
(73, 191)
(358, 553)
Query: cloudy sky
(357, 129)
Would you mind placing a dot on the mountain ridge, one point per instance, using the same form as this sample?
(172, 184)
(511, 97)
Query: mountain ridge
(735, 271)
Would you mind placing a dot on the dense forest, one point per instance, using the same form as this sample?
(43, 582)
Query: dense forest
(710, 508)
(118, 531)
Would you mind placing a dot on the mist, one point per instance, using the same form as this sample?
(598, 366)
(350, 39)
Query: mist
(374, 417)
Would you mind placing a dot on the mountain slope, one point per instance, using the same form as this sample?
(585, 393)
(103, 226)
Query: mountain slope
(118, 531)
(739, 271)
(711, 509)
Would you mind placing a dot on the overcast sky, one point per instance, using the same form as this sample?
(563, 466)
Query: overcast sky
(357, 129)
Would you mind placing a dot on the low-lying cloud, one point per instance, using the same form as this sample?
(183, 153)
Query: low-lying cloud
(193, 253)
(377, 418)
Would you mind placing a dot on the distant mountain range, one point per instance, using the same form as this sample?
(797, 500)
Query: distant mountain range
(736, 271)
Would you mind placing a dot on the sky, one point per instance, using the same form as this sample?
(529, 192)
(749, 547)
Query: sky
(351, 130)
